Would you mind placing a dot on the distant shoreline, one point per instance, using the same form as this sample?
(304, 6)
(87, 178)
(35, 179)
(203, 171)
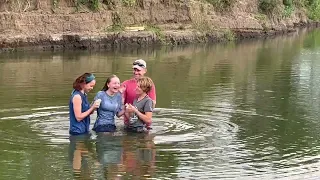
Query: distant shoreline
(109, 41)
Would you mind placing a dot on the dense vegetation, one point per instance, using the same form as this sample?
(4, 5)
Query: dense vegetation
(268, 7)
(271, 7)
(312, 7)
(284, 8)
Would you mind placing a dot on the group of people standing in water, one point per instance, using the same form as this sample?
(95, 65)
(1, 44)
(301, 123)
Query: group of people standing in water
(134, 99)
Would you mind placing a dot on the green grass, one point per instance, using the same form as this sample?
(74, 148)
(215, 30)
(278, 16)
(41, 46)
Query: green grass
(314, 9)
(155, 29)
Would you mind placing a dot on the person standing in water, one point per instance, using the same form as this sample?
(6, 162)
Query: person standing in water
(129, 94)
(79, 106)
(111, 105)
(140, 112)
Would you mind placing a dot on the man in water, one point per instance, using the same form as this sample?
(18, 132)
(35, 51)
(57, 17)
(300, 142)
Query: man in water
(129, 94)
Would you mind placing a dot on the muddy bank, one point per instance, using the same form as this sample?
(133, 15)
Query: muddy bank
(109, 41)
(48, 26)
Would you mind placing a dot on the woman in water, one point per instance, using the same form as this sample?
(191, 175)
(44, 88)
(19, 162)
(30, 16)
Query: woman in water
(79, 107)
(111, 105)
(140, 113)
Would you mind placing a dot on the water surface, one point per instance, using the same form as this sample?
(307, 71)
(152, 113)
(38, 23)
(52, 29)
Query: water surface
(246, 110)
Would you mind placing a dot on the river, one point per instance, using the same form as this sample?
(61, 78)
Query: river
(238, 110)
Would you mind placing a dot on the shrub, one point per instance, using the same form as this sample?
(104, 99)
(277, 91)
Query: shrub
(314, 10)
(222, 4)
(287, 3)
(267, 6)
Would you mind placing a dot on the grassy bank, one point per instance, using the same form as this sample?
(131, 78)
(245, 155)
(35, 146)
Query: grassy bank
(111, 23)
(284, 8)
(270, 7)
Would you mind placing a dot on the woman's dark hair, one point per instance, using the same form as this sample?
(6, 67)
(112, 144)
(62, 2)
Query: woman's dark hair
(105, 87)
(84, 78)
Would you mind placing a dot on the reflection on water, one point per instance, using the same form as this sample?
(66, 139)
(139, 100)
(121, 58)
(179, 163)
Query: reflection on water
(112, 157)
(79, 156)
(244, 110)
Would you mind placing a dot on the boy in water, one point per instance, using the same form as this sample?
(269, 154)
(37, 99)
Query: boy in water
(140, 112)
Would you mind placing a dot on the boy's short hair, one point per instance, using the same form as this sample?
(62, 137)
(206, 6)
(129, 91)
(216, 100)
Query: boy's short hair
(145, 83)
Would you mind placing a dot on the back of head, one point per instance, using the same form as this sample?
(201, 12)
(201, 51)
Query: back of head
(145, 83)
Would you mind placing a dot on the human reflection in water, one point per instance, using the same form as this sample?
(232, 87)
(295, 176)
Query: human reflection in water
(138, 155)
(79, 149)
(109, 151)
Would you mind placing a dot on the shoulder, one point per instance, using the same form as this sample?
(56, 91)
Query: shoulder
(126, 81)
(118, 95)
(147, 100)
(148, 106)
(129, 81)
(99, 93)
(75, 93)
(153, 87)
(76, 97)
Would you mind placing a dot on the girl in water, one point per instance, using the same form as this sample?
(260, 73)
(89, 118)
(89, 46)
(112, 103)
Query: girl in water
(140, 113)
(79, 107)
(111, 105)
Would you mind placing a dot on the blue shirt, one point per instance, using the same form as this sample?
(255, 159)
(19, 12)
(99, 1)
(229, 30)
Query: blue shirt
(79, 127)
(109, 107)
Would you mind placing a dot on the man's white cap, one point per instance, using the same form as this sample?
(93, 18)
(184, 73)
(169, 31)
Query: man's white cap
(139, 64)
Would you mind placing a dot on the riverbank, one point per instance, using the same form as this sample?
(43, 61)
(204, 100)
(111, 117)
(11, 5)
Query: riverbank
(108, 41)
(48, 26)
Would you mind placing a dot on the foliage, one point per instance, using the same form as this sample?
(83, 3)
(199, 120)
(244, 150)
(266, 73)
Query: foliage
(92, 4)
(222, 4)
(288, 10)
(314, 9)
(287, 2)
(229, 35)
(129, 2)
(155, 29)
(116, 23)
(267, 6)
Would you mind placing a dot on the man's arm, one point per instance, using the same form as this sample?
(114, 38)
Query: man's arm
(123, 92)
(153, 96)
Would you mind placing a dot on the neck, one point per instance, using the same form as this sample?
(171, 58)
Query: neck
(110, 93)
(142, 95)
(82, 91)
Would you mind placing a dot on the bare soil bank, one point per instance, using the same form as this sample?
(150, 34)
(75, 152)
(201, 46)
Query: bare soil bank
(47, 26)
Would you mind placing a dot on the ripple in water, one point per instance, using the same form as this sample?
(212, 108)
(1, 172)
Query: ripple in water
(206, 145)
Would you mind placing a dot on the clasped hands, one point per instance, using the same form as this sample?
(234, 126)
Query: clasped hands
(130, 108)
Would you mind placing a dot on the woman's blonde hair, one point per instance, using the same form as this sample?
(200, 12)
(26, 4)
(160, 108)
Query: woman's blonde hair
(145, 83)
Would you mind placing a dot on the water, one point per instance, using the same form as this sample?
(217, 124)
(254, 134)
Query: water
(245, 110)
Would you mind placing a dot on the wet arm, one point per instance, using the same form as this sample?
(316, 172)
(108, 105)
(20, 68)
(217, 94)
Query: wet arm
(122, 112)
(147, 117)
(77, 101)
(127, 114)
